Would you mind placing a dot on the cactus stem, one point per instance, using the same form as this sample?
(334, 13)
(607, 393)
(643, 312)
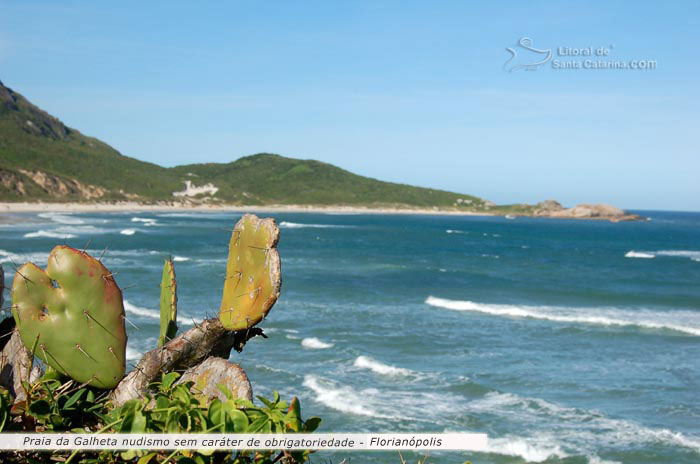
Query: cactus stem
(259, 248)
(80, 348)
(127, 320)
(111, 350)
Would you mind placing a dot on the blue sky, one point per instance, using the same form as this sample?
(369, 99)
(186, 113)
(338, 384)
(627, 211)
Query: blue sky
(411, 92)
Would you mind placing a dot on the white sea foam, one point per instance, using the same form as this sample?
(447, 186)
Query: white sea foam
(452, 231)
(296, 225)
(597, 460)
(366, 362)
(185, 319)
(344, 399)
(524, 448)
(690, 254)
(128, 231)
(388, 404)
(132, 354)
(180, 258)
(139, 311)
(49, 234)
(315, 344)
(21, 258)
(145, 221)
(668, 320)
(639, 254)
(560, 431)
(61, 218)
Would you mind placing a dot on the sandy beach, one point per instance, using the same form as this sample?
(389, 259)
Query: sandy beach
(134, 206)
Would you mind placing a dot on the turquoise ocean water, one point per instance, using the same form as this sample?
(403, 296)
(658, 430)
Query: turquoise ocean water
(566, 341)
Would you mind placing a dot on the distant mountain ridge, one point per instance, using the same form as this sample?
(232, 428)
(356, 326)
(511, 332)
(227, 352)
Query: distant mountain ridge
(41, 159)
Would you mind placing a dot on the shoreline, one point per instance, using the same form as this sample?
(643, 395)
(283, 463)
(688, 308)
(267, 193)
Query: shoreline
(134, 206)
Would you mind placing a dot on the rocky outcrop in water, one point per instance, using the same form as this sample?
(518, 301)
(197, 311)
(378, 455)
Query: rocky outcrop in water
(554, 209)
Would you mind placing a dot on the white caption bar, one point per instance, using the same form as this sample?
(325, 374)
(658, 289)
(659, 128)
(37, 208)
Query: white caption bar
(297, 441)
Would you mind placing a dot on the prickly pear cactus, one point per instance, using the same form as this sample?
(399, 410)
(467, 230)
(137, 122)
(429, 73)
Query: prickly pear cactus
(168, 304)
(253, 277)
(72, 316)
(2, 286)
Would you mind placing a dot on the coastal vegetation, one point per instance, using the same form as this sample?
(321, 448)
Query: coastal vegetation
(63, 359)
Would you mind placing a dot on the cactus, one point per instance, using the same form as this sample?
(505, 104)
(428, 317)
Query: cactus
(253, 277)
(2, 286)
(168, 304)
(71, 316)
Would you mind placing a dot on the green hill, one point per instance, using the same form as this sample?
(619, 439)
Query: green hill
(43, 160)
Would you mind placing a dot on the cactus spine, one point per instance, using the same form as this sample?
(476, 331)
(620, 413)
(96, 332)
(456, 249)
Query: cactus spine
(71, 316)
(253, 274)
(168, 303)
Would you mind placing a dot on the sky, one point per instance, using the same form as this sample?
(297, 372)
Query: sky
(413, 92)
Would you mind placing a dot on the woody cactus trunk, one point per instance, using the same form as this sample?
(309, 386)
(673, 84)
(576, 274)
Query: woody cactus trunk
(71, 317)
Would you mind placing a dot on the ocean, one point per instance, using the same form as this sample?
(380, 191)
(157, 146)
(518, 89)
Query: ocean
(565, 341)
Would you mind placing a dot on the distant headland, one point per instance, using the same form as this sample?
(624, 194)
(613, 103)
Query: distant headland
(45, 165)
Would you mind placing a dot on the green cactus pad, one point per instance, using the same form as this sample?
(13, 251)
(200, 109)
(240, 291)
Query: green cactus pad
(168, 304)
(253, 277)
(72, 316)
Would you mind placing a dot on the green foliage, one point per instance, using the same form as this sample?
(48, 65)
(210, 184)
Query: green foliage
(59, 405)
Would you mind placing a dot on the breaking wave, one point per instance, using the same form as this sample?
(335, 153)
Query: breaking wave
(605, 317)
(315, 344)
(139, 311)
(49, 234)
(296, 225)
(365, 362)
(690, 254)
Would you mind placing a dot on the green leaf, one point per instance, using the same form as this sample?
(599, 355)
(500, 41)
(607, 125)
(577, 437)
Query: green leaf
(239, 419)
(169, 379)
(145, 459)
(40, 408)
(224, 389)
(74, 399)
(138, 424)
(258, 424)
(216, 412)
(312, 424)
